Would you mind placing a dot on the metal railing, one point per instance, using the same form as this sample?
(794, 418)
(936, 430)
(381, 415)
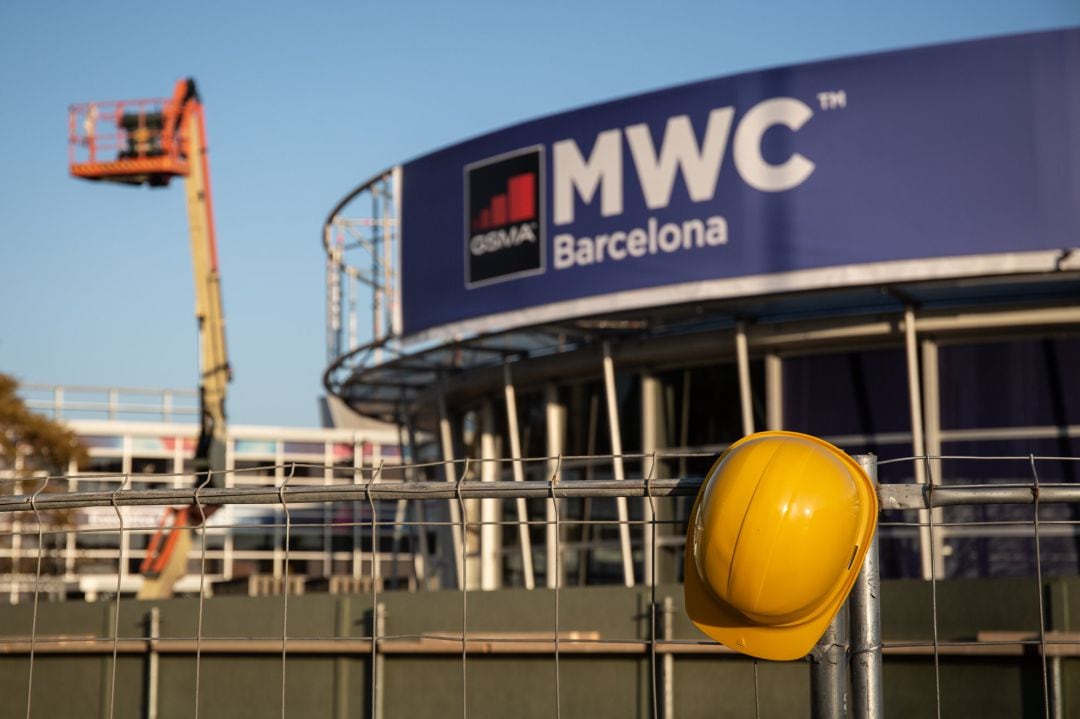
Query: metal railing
(92, 402)
(408, 524)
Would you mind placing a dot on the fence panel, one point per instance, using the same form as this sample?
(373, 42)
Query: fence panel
(389, 630)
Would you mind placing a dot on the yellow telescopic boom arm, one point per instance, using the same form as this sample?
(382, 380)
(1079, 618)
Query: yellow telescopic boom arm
(151, 142)
(213, 355)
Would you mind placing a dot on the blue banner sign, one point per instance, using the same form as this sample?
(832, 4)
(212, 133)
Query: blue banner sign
(945, 161)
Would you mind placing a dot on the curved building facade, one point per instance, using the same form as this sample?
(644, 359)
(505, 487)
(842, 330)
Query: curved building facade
(878, 250)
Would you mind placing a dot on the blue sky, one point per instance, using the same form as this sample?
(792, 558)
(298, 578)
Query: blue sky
(304, 101)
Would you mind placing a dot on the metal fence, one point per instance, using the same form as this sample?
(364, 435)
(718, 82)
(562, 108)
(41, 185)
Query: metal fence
(449, 525)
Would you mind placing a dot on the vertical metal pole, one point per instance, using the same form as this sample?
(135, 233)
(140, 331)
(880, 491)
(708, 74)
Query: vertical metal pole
(279, 516)
(125, 537)
(376, 555)
(774, 391)
(742, 355)
(617, 465)
(377, 288)
(519, 476)
(867, 696)
(667, 710)
(828, 670)
(585, 535)
(932, 444)
(352, 286)
(1057, 689)
(333, 293)
(229, 482)
(328, 511)
(69, 537)
(333, 296)
(152, 664)
(389, 221)
(555, 416)
(918, 446)
(378, 622)
(400, 508)
(16, 537)
(395, 295)
(650, 441)
(490, 509)
(357, 544)
(447, 443)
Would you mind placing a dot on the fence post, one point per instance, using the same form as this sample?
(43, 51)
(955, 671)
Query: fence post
(153, 632)
(667, 666)
(342, 630)
(828, 670)
(378, 630)
(867, 699)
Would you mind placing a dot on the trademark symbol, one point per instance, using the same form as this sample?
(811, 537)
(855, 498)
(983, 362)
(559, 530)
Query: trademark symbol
(832, 99)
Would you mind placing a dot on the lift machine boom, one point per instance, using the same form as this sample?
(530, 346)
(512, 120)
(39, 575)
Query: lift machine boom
(151, 142)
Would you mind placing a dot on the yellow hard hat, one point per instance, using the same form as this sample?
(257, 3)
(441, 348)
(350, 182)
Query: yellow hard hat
(775, 541)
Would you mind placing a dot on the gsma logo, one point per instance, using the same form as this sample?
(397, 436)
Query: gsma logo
(504, 225)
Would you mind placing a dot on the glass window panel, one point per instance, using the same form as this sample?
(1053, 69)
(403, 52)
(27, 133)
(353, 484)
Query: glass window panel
(305, 448)
(715, 404)
(255, 446)
(850, 393)
(102, 441)
(150, 444)
(1010, 384)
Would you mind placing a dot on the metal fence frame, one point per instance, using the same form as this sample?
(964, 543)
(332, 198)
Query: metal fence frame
(850, 651)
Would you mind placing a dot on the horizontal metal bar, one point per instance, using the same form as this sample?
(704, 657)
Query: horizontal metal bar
(892, 496)
(913, 496)
(105, 406)
(100, 389)
(427, 645)
(1007, 433)
(451, 646)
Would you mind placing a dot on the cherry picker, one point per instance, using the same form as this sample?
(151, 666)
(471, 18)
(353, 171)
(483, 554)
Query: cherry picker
(151, 142)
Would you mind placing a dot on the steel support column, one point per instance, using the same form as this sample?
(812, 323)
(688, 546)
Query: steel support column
(774, 391)
(446, 442)
(555, 414)
(742, 355)
(932, 443)
(153, 663)
(617, 465)
(918, 446)
(519, 476)
(867, 695)
(490, 509)
(651, 441)
(357, 544)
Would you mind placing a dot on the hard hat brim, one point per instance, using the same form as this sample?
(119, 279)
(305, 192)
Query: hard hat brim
(732, 628)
